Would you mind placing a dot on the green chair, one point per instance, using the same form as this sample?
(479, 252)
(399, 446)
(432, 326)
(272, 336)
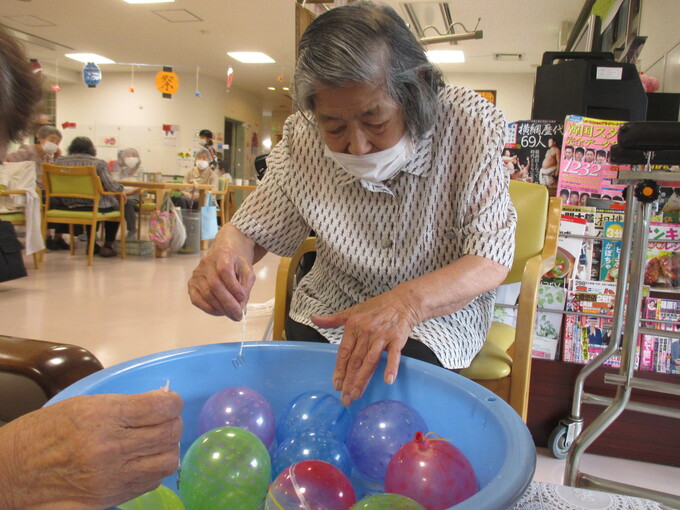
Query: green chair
(80, 182)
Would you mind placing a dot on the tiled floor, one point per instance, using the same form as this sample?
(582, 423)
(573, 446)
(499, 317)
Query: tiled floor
(123, 309)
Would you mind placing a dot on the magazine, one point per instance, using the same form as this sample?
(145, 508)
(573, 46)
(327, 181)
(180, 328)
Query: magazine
(585, 168)
(568, 248)
(551, 296)
(585, 259)
(611, 251)
(532, 151)
(585, 336)
(659, 353)
(662, 269)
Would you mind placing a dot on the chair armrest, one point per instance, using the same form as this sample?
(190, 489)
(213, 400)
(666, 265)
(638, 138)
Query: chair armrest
(7, 192)
(51, 365)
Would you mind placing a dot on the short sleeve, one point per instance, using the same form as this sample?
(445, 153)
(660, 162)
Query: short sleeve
(269, 216)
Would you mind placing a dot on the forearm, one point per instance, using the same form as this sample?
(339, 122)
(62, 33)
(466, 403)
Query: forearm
(452, 287)
(232, 238)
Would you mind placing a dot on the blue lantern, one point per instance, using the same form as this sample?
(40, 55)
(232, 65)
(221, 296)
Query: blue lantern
(91, 75)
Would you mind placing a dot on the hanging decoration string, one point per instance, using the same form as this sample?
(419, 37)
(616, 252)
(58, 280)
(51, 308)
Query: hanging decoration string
(56, 86)
(132, 79)
(198, 94)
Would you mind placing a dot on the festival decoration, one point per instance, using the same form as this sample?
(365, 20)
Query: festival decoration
(92, 75)
(167, 82)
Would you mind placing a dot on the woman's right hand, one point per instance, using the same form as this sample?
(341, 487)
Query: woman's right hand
(221, 283)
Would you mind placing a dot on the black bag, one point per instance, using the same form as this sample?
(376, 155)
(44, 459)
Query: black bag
(11, 259)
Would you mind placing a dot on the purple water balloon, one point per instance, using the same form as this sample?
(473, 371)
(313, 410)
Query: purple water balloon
(239, 406)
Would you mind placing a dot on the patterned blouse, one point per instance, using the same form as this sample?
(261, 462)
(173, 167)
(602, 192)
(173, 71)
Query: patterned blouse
(448, 200)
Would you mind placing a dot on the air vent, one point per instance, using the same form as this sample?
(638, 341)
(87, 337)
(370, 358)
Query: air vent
(177, 16)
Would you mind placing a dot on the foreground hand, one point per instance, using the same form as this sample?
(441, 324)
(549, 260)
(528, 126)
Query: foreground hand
(221, 283)
(92, 451)
(382, 323)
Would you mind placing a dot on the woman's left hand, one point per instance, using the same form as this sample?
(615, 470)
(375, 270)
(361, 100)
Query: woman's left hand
(382, 323)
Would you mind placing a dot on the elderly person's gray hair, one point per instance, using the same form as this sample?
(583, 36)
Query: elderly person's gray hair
(368, 43)
(203, 152)
(46, 131)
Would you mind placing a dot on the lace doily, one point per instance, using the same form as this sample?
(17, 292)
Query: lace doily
(547, 496)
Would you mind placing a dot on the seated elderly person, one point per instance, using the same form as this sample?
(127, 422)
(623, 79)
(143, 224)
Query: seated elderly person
(401, 178)
(45, 151)
(201, 173)
(128, 167)
(82, 152)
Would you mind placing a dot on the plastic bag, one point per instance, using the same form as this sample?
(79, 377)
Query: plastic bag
(179, 232)
(208, 219)
(162, 224)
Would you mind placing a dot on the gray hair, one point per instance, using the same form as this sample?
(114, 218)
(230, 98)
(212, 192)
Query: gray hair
(46, 131)
(369, 43)
(203, 152)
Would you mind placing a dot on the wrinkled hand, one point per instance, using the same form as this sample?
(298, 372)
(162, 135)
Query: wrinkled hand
(382, 323)
(92, 451)
(221, 283)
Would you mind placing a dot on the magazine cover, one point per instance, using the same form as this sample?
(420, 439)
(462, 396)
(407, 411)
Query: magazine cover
(568, 248)
(585, 169)
(585, 260)
(611, 251)
(551, 296)
(532, 151)
(662, 270)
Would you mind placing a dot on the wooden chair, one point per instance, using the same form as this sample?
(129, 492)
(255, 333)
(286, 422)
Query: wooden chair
(18, 218)
(504, 363)
(33, 371)
(80, 182)
(147, 205)
(223, 196)
(285, 280)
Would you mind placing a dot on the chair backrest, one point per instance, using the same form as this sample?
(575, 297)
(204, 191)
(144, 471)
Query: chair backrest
(71, 181)
(285, 277)
(528, 199)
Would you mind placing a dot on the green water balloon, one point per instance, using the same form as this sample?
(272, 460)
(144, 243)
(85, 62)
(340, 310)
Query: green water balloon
(227, 467)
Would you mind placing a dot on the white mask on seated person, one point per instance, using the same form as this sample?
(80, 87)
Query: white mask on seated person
(375, 167)
(131, 162)
(202, 164)
(50, 148)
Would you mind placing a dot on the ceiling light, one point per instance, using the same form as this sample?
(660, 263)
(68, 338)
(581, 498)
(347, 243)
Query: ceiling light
(148, 1)
(286, 88)
(90, 57)
(445, 56)
(271, 88)
(251, 57)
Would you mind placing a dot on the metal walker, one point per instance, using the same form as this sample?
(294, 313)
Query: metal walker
(640, 143)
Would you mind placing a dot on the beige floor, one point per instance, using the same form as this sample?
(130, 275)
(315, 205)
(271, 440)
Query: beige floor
(123, 309)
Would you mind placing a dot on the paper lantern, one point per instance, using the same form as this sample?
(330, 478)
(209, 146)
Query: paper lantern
(167, 82)
(92, 75)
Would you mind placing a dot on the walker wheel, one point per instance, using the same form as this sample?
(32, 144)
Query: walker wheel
(556, 442)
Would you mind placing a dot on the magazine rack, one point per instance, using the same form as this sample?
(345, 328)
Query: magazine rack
(639, 143)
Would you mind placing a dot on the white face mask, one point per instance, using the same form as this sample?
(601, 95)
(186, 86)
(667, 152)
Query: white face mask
(131, 162)
(376, 167)
(202, 164)
(50, 148)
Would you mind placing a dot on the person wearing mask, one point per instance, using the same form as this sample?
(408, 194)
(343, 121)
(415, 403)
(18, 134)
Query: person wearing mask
(128, 167)
(81, 152)
(401, 178)
(91, 451)
(206, 137)
(45, 151)
(201, 173)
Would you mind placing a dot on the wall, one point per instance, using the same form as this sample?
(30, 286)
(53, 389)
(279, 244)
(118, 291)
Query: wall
(660, 55)
(136, 119)
(514, 91)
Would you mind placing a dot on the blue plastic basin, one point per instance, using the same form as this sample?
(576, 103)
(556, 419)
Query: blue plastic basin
(482, 425)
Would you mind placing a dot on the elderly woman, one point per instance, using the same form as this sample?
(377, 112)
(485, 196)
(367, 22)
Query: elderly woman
(128, 167)
(201, 173)
(81, 152)
(45, 151)
(401, 179)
